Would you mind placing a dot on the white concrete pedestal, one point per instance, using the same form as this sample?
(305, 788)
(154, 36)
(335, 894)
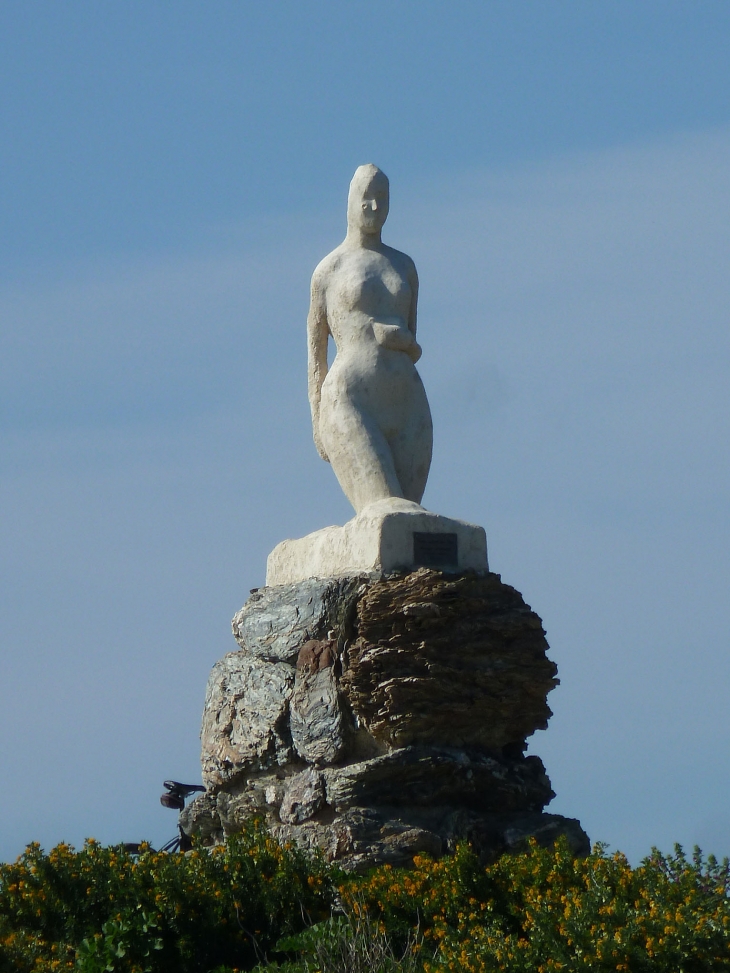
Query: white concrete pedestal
(388, 535)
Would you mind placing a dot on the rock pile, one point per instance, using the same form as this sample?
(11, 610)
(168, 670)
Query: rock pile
(378, 717)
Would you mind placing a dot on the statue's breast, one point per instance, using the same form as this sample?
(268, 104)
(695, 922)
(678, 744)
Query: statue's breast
(374, 288)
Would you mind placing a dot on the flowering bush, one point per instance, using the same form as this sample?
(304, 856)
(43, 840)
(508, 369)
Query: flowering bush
(105, 909)
(545, 910)
(101, 910)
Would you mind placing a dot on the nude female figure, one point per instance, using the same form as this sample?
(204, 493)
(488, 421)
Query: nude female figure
(370, 415)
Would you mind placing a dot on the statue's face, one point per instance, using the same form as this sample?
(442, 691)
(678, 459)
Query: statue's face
(368, 202)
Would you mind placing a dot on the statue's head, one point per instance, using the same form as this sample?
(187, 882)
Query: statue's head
(369, 199)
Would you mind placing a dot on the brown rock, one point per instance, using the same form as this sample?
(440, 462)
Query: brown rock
(316, 655)
(449, 660)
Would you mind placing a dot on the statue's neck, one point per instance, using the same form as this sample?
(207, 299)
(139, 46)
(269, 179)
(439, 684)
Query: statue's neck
(358, 239)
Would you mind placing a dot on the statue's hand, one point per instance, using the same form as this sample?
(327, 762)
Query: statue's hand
(392, 333)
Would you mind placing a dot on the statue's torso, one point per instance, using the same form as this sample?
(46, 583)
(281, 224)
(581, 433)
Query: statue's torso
(368, 300)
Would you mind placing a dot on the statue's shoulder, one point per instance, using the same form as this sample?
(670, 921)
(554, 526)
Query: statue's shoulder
(401, 260)
(326, 267)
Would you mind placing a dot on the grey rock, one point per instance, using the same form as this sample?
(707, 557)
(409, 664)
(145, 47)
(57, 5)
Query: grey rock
(493, 834)
(363, 837)
(201, 818)
(424, 776)
(275, 622)
(303, 797)
(360, 838)
(316, 718)
(245, 718)
(237, 808)
(546, 830)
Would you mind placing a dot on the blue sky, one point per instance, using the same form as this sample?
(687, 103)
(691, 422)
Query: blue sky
(171, 173)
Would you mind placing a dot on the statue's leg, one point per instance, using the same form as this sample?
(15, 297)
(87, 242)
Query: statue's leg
(412, 447)
(359, 454)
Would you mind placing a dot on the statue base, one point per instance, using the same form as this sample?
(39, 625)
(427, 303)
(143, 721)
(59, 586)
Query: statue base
(376, 718)
(388, 535)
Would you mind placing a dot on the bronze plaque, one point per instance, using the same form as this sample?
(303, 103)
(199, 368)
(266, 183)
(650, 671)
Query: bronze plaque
(435, 550)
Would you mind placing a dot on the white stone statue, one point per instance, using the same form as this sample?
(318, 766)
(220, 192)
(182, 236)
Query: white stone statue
(370, 414)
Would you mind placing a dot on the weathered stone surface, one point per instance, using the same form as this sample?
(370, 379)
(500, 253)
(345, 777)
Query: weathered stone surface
(457, 661)
(316, 717)
(303, 797)
(245, 717)
(275, 622)
(427, 777)
(361, 837)
(374, 718)
(201, 817)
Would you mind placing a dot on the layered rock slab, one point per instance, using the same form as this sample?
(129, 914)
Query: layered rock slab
(459, 660)
(378, 717)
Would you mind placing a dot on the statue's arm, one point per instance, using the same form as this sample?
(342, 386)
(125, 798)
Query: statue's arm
(413, 311)
(317, 335)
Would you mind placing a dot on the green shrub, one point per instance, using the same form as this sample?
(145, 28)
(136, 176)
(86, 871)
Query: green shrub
(101, 910)
(104, 909)
(545, 910)
(347, 944)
